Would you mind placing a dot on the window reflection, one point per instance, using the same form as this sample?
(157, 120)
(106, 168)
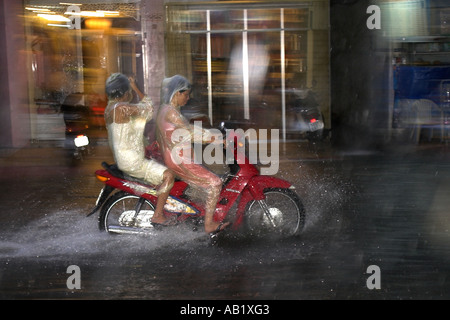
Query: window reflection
(249, 58)
(73, 50)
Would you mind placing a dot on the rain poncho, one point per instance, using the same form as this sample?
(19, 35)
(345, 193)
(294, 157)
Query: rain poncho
(169, 123)
(126, 123)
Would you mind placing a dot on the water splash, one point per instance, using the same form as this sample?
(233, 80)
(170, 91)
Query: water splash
(68, 233)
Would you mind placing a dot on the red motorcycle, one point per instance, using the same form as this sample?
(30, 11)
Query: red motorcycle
(263, 205)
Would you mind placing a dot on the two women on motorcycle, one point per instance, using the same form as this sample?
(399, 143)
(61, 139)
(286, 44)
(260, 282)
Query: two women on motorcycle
(126, 124)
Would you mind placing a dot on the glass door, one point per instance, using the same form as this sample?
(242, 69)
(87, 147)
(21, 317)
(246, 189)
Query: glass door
(244, 60)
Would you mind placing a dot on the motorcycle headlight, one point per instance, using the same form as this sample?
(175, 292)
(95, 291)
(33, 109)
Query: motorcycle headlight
(81, 141)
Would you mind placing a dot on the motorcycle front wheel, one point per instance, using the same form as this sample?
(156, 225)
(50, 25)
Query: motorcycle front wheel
(281, 214)
(124, 213)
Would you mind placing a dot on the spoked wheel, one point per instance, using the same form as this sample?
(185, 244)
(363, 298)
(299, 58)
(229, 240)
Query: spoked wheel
(281, 214)
(126, 213)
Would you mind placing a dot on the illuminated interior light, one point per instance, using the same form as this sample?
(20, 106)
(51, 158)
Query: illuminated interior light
(53, 17)
(58, 25)
(109, 13)
(37, 9)
(98, 23)
(92, 14)
(86, 14)
(82, 13)
(70, 4)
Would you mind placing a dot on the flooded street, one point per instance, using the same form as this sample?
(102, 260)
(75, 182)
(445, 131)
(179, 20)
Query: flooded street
(387, 209)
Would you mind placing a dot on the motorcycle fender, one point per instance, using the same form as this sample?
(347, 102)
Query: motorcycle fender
(104, 194)
(255, 191)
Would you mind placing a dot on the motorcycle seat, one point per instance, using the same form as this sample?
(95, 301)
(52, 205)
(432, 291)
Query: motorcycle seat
(114, 170)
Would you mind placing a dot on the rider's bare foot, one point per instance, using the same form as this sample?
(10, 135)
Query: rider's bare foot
(216, 227)
(162, 220)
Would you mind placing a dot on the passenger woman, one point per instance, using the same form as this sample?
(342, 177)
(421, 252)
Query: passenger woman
(126, 122)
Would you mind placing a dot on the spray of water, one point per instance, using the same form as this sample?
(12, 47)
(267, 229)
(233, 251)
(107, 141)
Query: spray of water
(67, 233)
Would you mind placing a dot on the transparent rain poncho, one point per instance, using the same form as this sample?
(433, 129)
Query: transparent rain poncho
(169, 123)
(126, 122)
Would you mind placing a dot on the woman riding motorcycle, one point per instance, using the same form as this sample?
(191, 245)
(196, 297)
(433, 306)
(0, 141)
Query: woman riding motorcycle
(175, 94)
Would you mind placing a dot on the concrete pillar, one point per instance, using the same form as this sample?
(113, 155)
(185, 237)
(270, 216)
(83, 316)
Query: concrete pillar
(152, 15)
(15, 125)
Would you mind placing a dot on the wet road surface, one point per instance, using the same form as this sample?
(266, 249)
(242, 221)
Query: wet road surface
(387, 209)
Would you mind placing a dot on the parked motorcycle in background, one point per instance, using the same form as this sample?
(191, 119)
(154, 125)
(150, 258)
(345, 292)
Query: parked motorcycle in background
(303, 116)
(304, 120)
(76, 119)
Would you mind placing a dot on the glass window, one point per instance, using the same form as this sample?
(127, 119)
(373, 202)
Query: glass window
(250, 59)
(75, 48)
(226, 20)
(263, 19)
(296, 18)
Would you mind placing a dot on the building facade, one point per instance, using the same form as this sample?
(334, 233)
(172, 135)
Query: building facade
(245, 59)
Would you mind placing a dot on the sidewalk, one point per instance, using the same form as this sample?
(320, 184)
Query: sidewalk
(49, 151)
(53, 152)
(46, 153)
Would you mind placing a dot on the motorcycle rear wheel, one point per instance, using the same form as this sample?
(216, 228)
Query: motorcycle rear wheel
(287, 214)
(118, 214)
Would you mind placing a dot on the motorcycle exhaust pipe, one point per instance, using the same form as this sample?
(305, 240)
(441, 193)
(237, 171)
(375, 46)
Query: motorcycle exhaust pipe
(128, 230)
